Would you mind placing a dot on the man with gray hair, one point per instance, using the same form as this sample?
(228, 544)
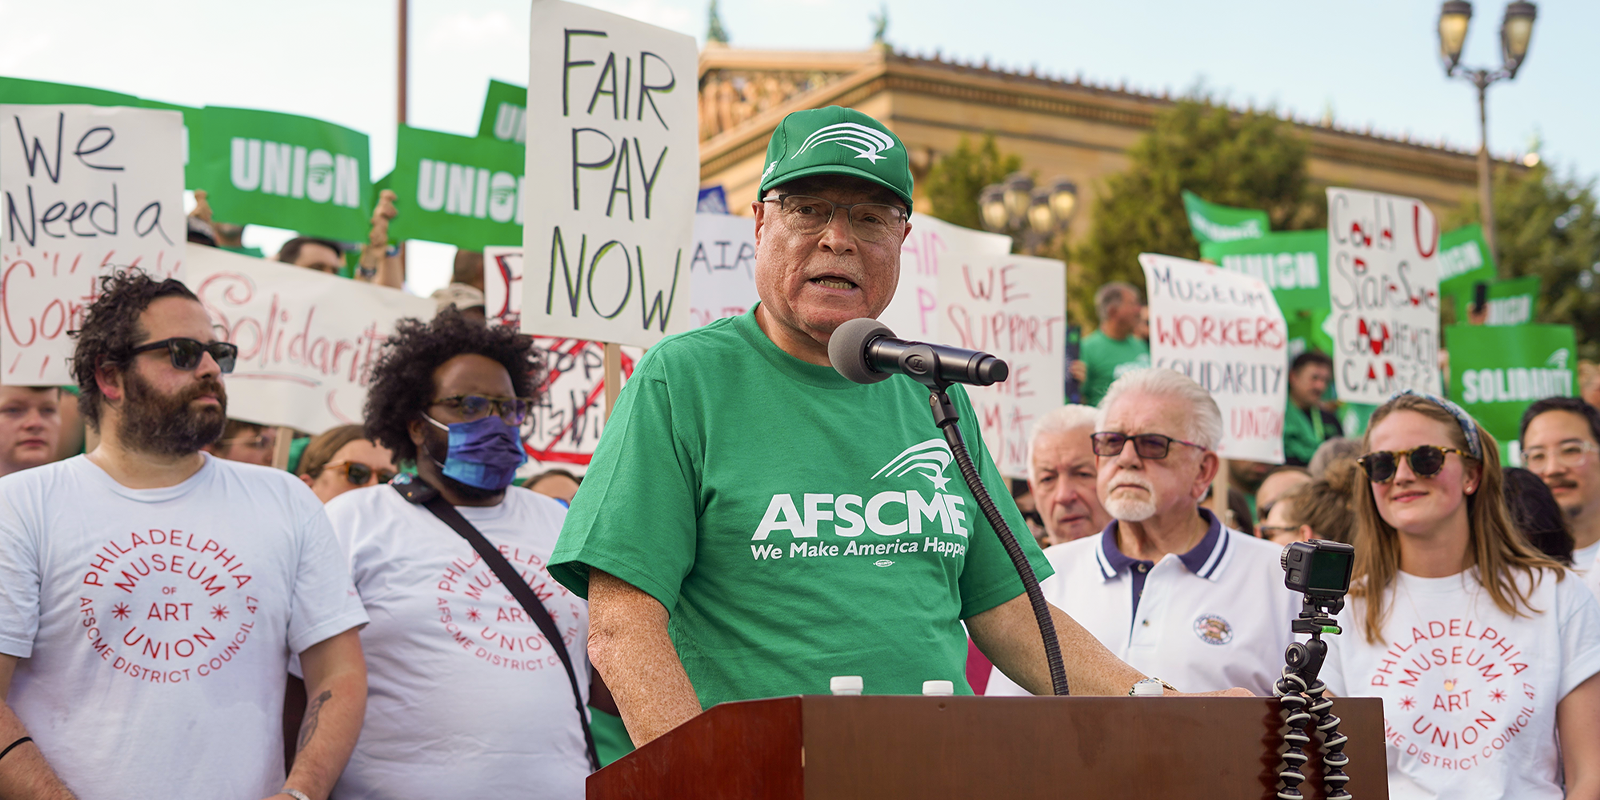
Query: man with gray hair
(1166, 586)
(1061, 475)
(1112, 349)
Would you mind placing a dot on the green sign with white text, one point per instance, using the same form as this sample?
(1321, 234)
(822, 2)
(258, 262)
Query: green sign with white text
(1213, 223)
(1294, 264)
(1497, 372)
(283, 170)
(1513, 302)
(1464, 260)
(505, 113)
(457, 190)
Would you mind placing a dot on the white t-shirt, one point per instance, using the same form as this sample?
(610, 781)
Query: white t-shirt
(1583, 559)
(465, 696)
(153, 626)
(1469, 692)
(1211, 619)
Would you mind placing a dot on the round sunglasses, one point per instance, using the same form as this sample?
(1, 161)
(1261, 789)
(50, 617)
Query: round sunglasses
(186, 352)
(1426, 461)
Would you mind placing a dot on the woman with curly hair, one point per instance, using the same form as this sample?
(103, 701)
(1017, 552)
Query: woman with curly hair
(1481, 649)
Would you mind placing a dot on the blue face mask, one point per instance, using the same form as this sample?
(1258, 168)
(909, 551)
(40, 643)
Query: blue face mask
(484, 453)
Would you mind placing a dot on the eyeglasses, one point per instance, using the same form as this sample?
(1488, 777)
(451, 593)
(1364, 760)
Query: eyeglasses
(1147, 445)
(1426, 461)
(872, 222)
(513, 410)
(1269, 531)
(358, 474)
(1566, 455)
(186, 353)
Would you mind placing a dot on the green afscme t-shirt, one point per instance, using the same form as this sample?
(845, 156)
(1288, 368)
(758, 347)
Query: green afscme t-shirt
(1106, 359)
(795, 525)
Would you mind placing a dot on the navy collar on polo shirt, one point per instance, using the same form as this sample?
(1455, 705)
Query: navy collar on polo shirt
(1202, 559)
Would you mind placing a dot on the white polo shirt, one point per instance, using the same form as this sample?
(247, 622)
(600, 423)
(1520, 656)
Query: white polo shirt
(1213, 618)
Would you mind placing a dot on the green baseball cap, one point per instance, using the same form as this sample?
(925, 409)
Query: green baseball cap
(837, 141)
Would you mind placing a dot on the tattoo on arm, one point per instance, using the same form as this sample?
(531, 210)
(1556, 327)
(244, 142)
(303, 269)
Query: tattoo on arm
(309, 726)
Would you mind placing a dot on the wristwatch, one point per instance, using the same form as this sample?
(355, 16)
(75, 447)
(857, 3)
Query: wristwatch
(1150, 687)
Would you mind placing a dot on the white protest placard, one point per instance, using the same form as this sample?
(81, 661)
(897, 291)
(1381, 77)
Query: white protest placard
(566, 423)
(613, 139)
(913, 313)
(722, 270)
(1225, 331)
(307, 340)
(85, 189)
(502, 285)
(1014, 308)
(1383, 284)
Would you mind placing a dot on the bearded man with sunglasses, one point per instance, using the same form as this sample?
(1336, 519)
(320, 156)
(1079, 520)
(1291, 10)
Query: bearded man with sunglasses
(468, 696)
(151, 595)
(788, 524)
(1166, 586)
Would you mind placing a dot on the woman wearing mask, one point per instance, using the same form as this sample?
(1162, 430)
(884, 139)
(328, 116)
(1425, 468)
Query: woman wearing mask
(1483, 650)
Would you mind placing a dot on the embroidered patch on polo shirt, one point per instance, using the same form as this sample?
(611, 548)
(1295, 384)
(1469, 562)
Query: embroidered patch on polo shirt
(1213, 629)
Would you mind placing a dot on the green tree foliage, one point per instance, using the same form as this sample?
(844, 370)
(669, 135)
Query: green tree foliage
(1549, 227)
(955, 180)
(1249, 160)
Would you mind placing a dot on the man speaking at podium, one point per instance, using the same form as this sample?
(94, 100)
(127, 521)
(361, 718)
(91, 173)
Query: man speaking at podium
(754, 524)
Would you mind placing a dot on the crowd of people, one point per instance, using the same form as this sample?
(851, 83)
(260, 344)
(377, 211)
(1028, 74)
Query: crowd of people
(395, 616)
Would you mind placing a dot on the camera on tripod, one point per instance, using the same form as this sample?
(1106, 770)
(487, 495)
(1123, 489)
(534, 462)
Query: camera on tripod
(1320, 570)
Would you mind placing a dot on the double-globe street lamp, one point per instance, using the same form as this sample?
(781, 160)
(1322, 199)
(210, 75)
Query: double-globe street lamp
(1516, 29)
(1017, 207)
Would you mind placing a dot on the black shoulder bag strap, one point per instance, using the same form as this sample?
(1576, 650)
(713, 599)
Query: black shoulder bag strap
(426, 496)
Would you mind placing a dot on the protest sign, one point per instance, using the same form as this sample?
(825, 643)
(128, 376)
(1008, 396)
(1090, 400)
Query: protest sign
(1383, 285)
(913, 312)
(1499, 371)
(504, 113)
(85, 189)
(615, 150)
(565, 424)
(456, 189)
(1224, 331)
(502, 285)
(1014, 308)
(1213, 223)
(307, 340)
(1513, 302)
(722, 271)
(1464, 260)
(1293, 264)
(283, 170)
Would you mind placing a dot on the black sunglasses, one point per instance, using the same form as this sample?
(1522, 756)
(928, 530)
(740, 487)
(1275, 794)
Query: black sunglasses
(1147, 445)
(186, 352)
(1426, 461)
(358, 473)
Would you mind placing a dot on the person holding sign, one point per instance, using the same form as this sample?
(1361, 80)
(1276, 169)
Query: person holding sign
(733, 485)
(1112, 349)
(1306, 424)
(151, 594)
(1165, 584)
(468, 696)
(1561, 444)
(1482, 649)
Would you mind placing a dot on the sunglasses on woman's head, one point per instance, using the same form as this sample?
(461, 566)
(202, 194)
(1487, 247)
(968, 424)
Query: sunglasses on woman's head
(186, 353)
(1426, 461)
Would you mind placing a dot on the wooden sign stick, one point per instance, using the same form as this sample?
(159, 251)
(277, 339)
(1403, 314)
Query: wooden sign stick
(613, 375)
(280, 447)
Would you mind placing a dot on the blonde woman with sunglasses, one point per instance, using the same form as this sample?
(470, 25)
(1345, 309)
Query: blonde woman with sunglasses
(1483, 651)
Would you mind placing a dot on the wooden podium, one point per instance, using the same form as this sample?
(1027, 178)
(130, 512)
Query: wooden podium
(905, 747)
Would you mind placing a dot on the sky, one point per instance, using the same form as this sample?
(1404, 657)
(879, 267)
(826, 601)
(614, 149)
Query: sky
(1368, 62)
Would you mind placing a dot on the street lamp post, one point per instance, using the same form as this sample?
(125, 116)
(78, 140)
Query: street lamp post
(1516, 30)
(1019, 209)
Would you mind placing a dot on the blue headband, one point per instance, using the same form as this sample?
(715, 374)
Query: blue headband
(1468, 426)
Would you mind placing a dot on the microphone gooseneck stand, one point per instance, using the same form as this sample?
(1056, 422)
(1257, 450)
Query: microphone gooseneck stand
(1301, 700)
(944, 416)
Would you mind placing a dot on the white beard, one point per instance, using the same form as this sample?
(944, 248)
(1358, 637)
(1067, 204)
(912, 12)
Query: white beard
(1132, 509)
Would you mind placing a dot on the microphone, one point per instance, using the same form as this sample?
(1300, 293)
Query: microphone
(865, 351)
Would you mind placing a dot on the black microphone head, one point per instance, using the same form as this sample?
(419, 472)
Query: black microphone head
(847, 349)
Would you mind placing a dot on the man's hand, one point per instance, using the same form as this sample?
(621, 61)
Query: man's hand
(25, 774)
(376, 264)
(629, 645)
(1080, 371)
(336, 685)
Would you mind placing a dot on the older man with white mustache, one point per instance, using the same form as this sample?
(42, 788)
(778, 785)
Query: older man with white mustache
(1166, 586)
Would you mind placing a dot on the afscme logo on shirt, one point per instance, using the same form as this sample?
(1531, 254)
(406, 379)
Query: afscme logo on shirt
(824, 516)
